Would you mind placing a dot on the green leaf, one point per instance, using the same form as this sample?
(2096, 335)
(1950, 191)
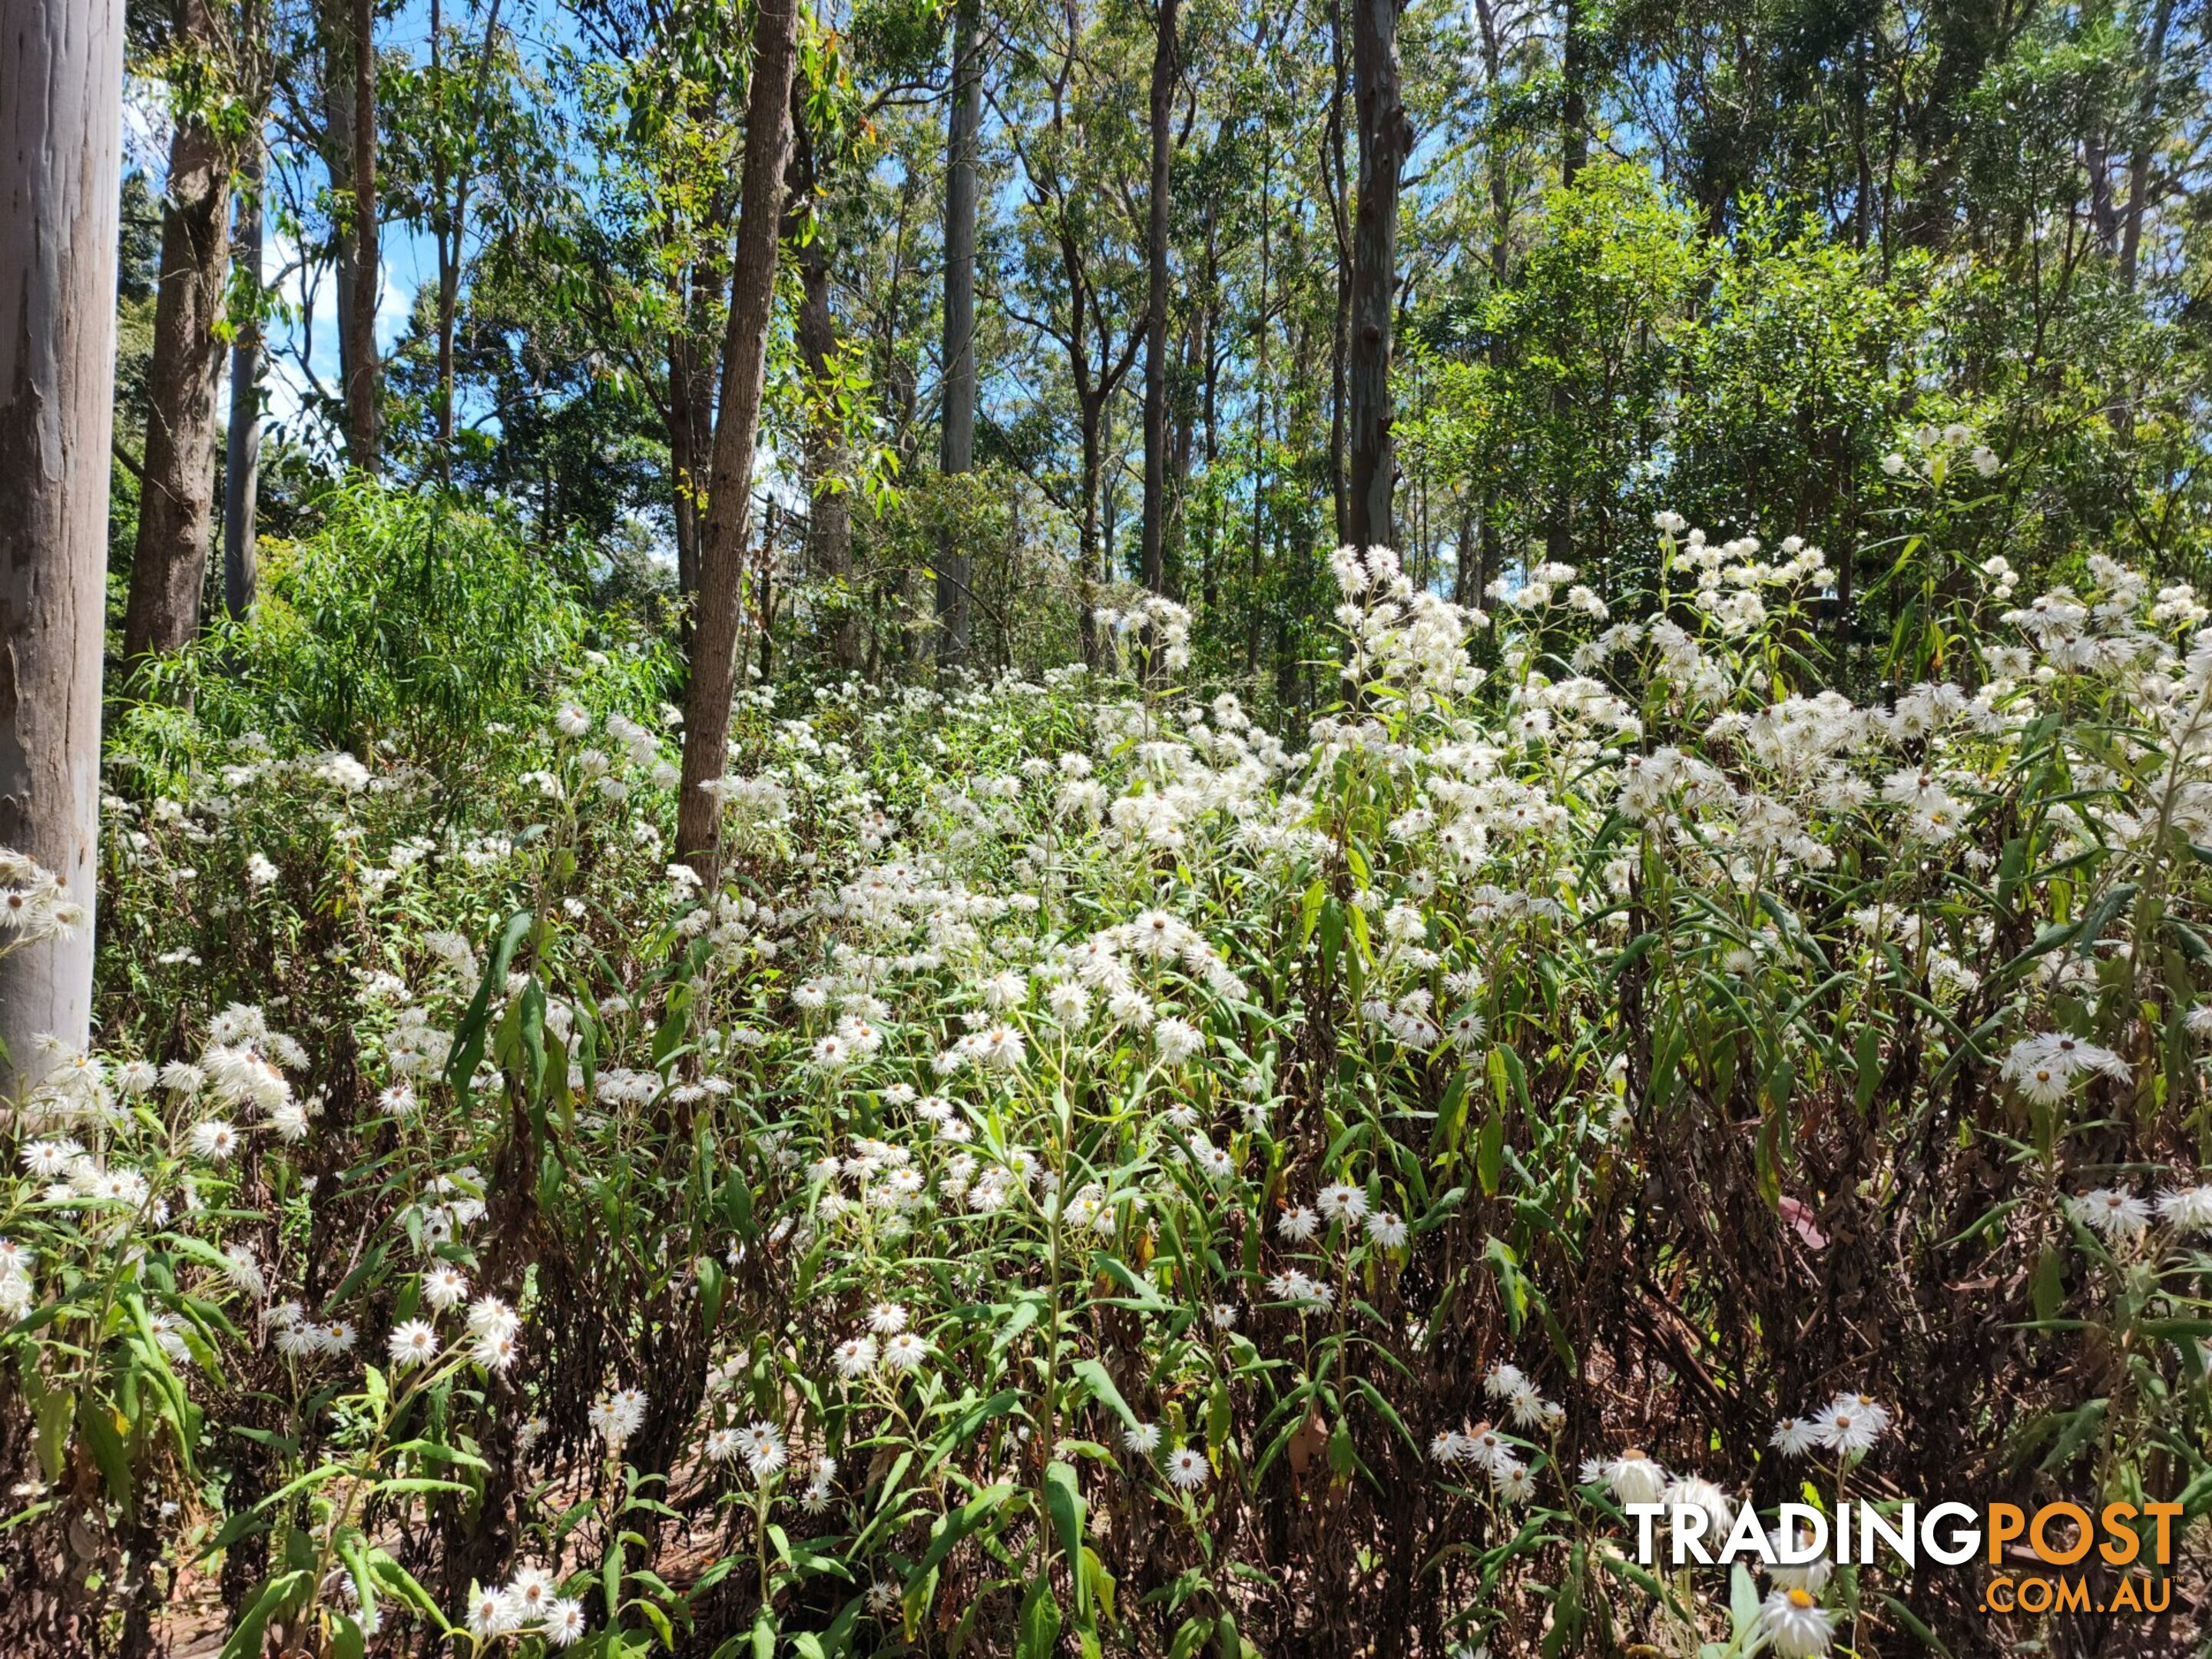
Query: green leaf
(2047, 1290)
(1310, 911)
(1038, 1627)
(55, 1411)
(959, 1523)
(1099, 1586)
(1743, 1602)
(1911, 1621)
(97, 1422)
(1866, 1057)
(713, 1287)
(1489, 1153)
(1093, 1376)
(246, 1639)
(1065, 1499)
(469, 1036)
(1451, 1116)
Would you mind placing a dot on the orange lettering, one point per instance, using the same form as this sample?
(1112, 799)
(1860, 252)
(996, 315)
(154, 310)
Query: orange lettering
(2165, 1514)
(2039, 1540)
(2125, 1546)
(2006, 1522)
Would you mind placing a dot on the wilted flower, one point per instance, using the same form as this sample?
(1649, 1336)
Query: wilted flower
(1796, 1624)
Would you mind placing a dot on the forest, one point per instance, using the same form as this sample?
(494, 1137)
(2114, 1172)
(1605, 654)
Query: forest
(1157, 828)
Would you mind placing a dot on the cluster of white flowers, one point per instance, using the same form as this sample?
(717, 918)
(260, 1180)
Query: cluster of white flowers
(1155, 629)
(1488, 1449)
(528, 1604)
(1849, 1425)
(1927, 452)
(1730, 576)
(1069, 1069)
(616, 1416)
(2123, 1217)
(17, 1291)
(34, 905)
(1791, 1618)
(2045, 1068)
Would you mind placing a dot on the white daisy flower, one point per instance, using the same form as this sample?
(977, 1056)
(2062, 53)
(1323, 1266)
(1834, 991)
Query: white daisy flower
(1342, 1202)
(412, 1343)
(1186, 1469)
(1387, 1229)
(492, 1613)
(905, 1351)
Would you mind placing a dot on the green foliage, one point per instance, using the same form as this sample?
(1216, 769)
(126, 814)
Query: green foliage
(408, 623)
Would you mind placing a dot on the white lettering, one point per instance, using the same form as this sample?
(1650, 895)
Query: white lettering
(1966, 1542)
(1805, 1533)
(1748, 1538)
(1686, 1535)
(1644, 1513)
(1903, 1540)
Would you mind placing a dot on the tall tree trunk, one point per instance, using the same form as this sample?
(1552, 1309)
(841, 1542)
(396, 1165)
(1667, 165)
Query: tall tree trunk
(61, 137)
(1861, 160)
(686, 460)
(1109, 494)
(1209, 323)
(334, 25)
(359, 324)
(903, 395)
(957, 447)
(1154, 553)
(829, 509)
(1574, 156)
(1465, 566)
(1091, 418)
(445, 234)
(2144, 139)
(1256, 572)
(176, 503)
(241, 472)
(744, 367)
(455, 223)
(1574, 93)
(1339, 352)
(1501, 195)
(2104, 212)
(1385, 138)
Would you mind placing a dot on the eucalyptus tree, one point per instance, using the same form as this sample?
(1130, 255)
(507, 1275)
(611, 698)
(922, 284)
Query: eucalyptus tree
(176, 507)
(1153, 563)
(642, 252)
(61, 78)
(957, 423)
(457, 105)
(754, 260)
(242, 434)
(1076, 272)
(1386, 138)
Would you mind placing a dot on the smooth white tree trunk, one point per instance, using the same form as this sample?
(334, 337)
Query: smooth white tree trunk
(61, 79)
